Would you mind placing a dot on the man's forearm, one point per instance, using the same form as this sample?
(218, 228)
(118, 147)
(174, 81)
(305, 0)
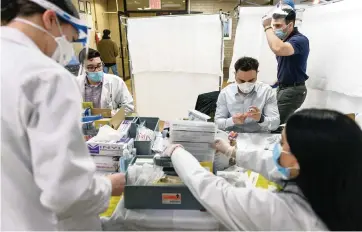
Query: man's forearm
(274, 42)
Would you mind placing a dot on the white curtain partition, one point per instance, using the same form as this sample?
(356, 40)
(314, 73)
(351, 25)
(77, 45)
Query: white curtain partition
(335, 52)
(174, 59)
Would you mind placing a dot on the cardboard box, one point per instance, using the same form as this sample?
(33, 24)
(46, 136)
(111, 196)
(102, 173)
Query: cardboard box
(110, 149)
(113, 122)
(106, 113)
(102, 122)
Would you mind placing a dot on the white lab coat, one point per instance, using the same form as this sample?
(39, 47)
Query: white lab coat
(114, 92)
(248, 209)
(47, 174)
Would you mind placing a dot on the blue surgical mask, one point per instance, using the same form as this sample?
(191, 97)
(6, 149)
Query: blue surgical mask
(277, 151)
(95, 76)
(280, 34)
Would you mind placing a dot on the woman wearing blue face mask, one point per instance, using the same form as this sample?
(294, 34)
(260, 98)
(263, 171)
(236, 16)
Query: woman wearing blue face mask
(319, 160)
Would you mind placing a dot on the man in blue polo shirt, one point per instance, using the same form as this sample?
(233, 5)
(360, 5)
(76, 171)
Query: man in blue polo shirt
(292, 50)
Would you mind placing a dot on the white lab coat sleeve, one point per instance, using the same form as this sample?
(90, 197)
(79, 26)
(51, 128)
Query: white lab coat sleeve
(124, 97)
(62, 167)
(260, 161)
(222, 115)
(236, 208)
(270, 112)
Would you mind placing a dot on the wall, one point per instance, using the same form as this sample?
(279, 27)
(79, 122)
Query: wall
(100, 21)
(213, 7)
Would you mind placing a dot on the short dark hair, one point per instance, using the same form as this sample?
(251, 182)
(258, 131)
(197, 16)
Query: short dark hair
(92, 53)
(10, 9)
(246, 64)
(106, 32)
(290, 18)
(328, 147)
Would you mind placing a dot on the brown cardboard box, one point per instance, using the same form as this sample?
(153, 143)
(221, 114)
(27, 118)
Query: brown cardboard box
(113, 122)
(106, 113)
(118, 118)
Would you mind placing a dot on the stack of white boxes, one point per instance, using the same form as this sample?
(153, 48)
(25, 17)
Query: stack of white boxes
(106, 154)
(196, 137)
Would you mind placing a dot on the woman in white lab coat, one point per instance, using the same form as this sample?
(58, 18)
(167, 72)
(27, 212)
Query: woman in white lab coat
(320, 159)
(47, 174)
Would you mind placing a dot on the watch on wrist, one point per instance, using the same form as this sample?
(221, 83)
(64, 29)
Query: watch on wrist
(267, 28)
(261, 119)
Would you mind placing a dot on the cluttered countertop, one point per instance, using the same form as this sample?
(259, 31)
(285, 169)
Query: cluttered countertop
(154, 197)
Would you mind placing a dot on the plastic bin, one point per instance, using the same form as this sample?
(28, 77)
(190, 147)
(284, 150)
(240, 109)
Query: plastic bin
(143, 147)
(171, 197)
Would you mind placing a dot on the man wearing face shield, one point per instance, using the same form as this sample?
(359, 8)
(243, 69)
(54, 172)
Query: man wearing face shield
(48, 178)
(292, 50)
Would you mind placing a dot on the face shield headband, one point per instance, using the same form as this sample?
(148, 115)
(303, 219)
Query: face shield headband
(79, 25)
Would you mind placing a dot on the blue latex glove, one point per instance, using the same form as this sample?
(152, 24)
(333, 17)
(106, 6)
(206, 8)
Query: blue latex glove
(289, 2)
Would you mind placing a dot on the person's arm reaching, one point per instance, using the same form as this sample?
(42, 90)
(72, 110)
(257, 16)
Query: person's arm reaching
(257, 160)
(236, 208)
(270, 113)
(223, 118)
(260, 161)
(62, 167)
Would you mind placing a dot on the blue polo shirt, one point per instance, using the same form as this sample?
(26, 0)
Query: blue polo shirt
(292, 69)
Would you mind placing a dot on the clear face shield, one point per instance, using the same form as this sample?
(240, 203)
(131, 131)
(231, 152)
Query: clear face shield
(82, 28)
(277, 16)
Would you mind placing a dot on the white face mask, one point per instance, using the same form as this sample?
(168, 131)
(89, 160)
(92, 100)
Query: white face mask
(246, 87)
(64, 51)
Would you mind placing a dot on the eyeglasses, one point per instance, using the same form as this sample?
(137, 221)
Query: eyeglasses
(92, 68)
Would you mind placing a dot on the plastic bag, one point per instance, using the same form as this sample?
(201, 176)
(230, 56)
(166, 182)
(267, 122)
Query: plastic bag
(145, 134)
(143, 175)
(237, 179)
(106, 134)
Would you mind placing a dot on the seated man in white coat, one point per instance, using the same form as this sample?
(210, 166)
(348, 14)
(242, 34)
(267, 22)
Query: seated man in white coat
(247, 106)
(105, 91)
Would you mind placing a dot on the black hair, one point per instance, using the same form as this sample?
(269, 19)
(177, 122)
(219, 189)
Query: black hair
(246, 64)
(10, 9)
(328, 147)
(290, 18)
(106, 34)
(92, 53)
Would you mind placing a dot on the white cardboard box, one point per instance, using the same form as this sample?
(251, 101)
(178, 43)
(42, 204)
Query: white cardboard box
(109, 148)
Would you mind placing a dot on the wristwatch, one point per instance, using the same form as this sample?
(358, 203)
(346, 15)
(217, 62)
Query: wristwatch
(267, 28)
(261, 119)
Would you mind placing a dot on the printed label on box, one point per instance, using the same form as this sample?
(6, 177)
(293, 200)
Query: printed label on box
(171, 198)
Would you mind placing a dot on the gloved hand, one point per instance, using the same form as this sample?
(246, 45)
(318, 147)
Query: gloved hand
(223, 147)
(170, 149)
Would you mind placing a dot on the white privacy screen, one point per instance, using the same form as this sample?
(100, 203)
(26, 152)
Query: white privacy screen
(169, 95)
(188, 44)
(174, 59)
(335, 79)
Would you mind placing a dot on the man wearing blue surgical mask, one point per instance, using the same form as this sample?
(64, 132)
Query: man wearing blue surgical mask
(292, 50)
(103, 90)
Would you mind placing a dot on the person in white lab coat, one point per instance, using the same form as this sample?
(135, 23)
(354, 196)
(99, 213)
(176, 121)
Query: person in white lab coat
(102, 89)
(320, 160)
(48, 178)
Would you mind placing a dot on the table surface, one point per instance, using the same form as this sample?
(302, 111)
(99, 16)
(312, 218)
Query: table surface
(124, 219)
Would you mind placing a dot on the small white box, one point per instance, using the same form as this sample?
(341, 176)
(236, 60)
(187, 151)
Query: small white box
(107, 163)
(109, 148)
